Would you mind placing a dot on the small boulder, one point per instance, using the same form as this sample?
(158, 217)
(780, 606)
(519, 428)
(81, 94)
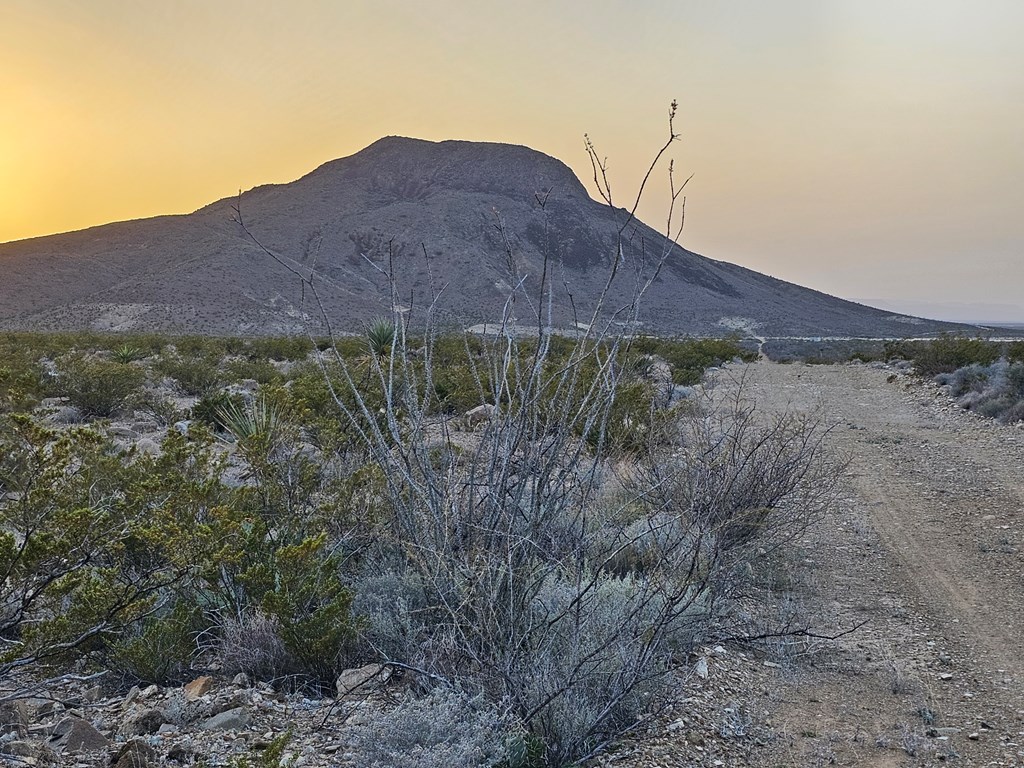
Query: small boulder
(229, 720)
(479, 415)
(148, 447)
(27, 753)
(701, 668)
(93, 694)
(144, 722)
(67, 414)
(73, 734)
(198, 687)
(178, 753)
(135, 754)
(361, 681)
(241, 680)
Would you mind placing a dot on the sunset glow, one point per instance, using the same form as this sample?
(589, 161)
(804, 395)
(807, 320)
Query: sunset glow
(869, 149)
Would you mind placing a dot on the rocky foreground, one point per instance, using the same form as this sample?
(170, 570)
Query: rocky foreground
(213, 721)
(915, 577)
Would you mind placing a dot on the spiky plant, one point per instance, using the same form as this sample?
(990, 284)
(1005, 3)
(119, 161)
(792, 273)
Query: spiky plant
(380, 335)
(256, 426)
(126, 353)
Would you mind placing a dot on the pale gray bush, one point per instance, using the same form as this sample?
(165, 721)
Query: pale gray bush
(600, 665)
(446, 729)
(253, 644)
(389, 608)
(539, 578)
(995, 390)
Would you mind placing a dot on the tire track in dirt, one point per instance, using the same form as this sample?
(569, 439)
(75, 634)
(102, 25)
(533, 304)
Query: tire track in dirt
(942, 492)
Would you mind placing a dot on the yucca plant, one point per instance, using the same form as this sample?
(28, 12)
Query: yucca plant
(380, 335)
(256, 426)
(126, 353)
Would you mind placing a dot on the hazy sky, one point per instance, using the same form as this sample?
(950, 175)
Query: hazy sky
(871, 148)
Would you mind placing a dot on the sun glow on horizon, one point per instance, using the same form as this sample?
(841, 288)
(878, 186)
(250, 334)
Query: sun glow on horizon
(851, 145)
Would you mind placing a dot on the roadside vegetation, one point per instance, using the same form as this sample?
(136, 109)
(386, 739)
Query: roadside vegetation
(532, 534)
(171, 505)
(985, 377)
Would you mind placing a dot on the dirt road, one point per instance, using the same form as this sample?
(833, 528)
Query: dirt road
(927, 548)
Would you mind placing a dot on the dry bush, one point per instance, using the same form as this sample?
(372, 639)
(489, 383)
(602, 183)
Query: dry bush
(446, 729)
(253, 644)
(528, 571)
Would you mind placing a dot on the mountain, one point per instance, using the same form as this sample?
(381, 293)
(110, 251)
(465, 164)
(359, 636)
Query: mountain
(461, 221)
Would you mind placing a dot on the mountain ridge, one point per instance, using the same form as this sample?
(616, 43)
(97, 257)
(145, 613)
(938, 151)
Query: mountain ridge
(475, 216)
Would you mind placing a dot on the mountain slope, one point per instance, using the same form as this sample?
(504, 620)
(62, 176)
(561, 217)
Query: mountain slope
(458, 220)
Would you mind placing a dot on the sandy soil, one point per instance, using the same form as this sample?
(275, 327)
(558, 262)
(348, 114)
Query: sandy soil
(926, 549)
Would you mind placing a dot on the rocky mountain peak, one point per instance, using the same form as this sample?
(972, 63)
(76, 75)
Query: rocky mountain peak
(414, 168)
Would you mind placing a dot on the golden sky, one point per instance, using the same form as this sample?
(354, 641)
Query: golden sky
(869, 148)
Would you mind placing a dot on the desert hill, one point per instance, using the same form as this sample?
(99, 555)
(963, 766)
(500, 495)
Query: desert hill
(454, 219)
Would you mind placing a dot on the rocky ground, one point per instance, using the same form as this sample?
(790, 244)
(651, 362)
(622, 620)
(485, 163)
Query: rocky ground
(922, 556)
(917, 573)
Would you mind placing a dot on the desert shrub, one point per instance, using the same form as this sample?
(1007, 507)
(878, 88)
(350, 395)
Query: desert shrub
(285, 565)
(505, 543)
(827, 351)
(315, 389)
(456, 390)
(160, 648)
(445, 729)
(390, 608)
(995, 390)
(380, 335)
(22, 384)
(689, 358)
(147, 343)
(632, 420)
(192, 375)
(506, 559)
(603, 657)
(278, 348)
(971, 378)
(127, 353)
(258, 369)
(212, 405)
(163, 409)
(299, 586)
(257, 550)
(97, 387)
(945, 354)
(70, 585)
(206, 346)
(252, 644)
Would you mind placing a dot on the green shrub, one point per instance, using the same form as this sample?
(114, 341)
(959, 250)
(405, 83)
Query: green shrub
(22, 385)
(209, 407)
(97, 387)
(380, 335)
(194, 376)
(70, 587)
(259, 550)
(279, 348)
(260, 370)
(689, 358)
(946, 353)
(160, 649)
(127, 353)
